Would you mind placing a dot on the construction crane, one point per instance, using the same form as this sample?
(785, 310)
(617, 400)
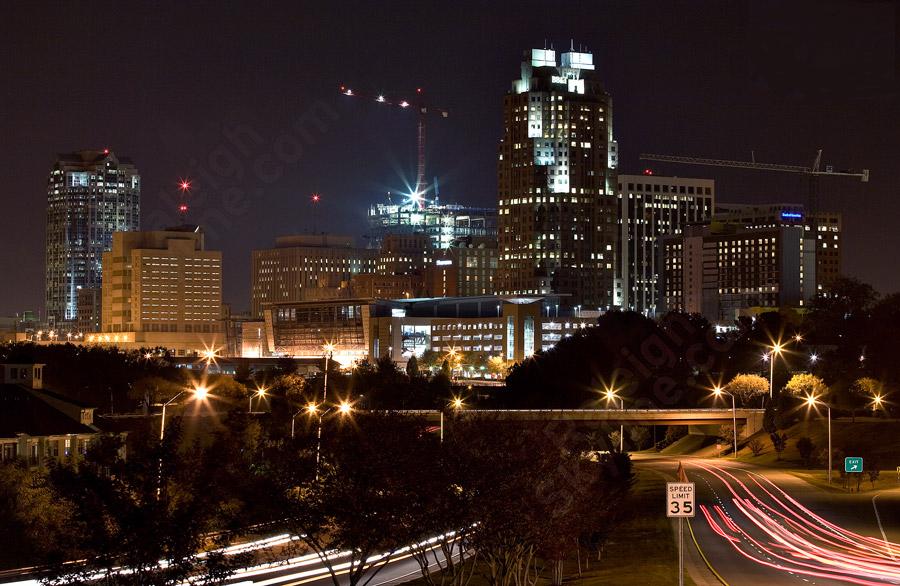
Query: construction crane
(813, 172)
(424, 109)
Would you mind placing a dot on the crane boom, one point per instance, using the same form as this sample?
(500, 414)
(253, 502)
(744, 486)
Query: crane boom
(814, 170)
(423, 110)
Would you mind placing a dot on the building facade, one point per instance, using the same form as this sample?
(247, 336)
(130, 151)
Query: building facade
(557, 183)
(306, 267)
(468, 268)
(90, 195)
(162, 288)
(722, 271)
(651, 207)
(825, 227)
(512, 328)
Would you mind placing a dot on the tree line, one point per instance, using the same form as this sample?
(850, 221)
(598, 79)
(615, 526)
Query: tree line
(506, 501)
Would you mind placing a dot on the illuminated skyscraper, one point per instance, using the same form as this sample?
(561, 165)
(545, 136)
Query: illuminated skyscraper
(557, 183)
(90, 195)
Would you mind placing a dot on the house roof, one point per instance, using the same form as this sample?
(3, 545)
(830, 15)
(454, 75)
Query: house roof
(21, 412)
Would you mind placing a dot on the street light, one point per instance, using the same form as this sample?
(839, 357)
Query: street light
(456, 404)
(260, 393)
(199, 393)
(612, 396)
(718, 392)
(812, 401)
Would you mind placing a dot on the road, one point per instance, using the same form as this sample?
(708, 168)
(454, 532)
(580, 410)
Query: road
(306, 569)
(760, 526)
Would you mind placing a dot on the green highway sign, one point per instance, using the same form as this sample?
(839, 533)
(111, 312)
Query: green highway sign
(853, 464)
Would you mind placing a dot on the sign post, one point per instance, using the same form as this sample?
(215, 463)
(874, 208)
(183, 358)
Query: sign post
(680, 504)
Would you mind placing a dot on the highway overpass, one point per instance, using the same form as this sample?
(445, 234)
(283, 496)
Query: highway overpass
(749, 420)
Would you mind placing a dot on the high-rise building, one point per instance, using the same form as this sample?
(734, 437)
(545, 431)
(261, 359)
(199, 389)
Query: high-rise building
(443, 223)
(723, 270)
(557, 183)
(304, 268)
(162, 288)
(650, 207)
(825, 225)
(90, 195)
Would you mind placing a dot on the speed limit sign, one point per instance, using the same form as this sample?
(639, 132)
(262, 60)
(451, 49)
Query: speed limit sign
(679, 499)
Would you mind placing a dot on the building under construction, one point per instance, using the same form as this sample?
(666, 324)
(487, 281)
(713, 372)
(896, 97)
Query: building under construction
(443, 223)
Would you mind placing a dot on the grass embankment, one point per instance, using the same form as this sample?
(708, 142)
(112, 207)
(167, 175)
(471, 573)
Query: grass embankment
(642, 550)
(877, 441)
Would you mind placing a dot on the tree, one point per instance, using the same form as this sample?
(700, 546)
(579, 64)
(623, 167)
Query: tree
(726, 436)
(154, 389)
(873, 473)
(361, 499)
(133, 514)
(497, 366)
(756, 447)
(412, 367)
(806, 448)
(639, 436)
(779, 443)
(30, 510)
(808, 385)
(863, 391)
(747, 386)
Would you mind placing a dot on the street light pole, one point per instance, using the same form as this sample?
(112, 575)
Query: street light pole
(718, 392)
(828, 407)
(200, 393)
(812, 401)
(611, 396)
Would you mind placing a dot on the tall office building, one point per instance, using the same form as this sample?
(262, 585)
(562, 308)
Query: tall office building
(305, 268)
(162, 288)
(557, 183)
(722, 271)
(825, 225)
(90, 195)
(650, 207)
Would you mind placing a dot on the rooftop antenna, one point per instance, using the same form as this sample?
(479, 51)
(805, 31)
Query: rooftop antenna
(572, 44)
(437, 191)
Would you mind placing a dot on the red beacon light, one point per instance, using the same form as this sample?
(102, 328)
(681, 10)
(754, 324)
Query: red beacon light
(105, 151)
(316, 198)
(648, 171)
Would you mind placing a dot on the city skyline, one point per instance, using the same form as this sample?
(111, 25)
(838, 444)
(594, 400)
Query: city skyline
(363, 152)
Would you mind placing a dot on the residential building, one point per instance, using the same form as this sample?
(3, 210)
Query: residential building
(651, 207)
(723, 270)
(90, 195)
(826, 226)
(557, 183)
(467, 268)
(306, 267)
(38, 425)
(162, 288)
(512, 328)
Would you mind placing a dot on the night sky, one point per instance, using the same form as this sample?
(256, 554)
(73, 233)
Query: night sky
(216, 91)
